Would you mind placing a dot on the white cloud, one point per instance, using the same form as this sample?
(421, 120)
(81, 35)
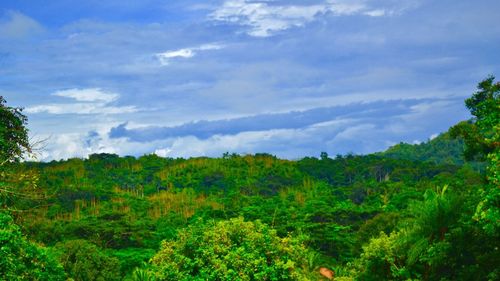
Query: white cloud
(165, 57)
(81, 144)
(68, 145)
(182, 53)
(80, 108)
(88, 95)
(163, 152)
(16, 25)
(246, 142)
(90, 101)
(264, 19)
(375, 13)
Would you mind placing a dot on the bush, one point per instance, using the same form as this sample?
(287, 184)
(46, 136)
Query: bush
(21, 259)
(231, 250)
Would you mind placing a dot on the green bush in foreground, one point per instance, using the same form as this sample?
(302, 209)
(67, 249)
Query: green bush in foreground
(231, 250)
(21, 259)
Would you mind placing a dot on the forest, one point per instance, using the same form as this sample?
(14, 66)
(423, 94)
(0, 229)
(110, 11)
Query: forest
(429, 211)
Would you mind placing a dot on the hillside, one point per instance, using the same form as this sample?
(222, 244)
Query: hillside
(442, 149)
(126, 206)
(413, 212)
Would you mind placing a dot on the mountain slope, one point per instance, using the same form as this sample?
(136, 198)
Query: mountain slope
(442, 149)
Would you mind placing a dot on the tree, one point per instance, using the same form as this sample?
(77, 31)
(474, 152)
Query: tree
(22, 260)
(481, 134)
(324, 156)
(14, 144)
(82, 260)
(14, 140)
(485, 106)
(419, 248)
(482, 137)
(230, 250)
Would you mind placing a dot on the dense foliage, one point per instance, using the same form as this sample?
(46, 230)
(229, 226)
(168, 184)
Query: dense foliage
(443, 149)
(13, 133)
(84, 261)
(482, 137)
(413, 212)
(21, 259)
(230, 250)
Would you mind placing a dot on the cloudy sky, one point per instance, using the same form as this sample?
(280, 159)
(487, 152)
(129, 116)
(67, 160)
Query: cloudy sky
(183, 78)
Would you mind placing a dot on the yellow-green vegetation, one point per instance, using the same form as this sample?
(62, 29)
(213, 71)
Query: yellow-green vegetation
(414, 212)
(230, 250)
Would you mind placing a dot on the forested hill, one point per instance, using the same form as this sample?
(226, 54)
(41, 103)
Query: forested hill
(413, 212)
(442, 149)
(255, 174)
(250, 174)
(119, 209)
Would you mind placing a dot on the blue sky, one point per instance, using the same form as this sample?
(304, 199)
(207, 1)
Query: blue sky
(199, 78)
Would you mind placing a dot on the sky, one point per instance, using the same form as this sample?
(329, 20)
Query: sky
(199, 78)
